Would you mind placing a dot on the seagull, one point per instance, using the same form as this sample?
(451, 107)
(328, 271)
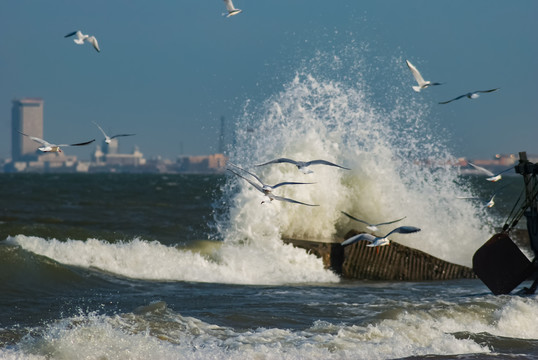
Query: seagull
(267, 190)
(374, 241)
(422, 84)
(302, 165)
(48, 147)
(470, 95)
(492, 177)
(108, 139)
(372, 227)
(82, 37)
(488, 204)
(231, 9)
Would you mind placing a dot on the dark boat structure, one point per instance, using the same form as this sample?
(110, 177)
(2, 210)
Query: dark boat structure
(499, 263)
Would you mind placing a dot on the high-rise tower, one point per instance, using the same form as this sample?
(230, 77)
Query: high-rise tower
(26, 117)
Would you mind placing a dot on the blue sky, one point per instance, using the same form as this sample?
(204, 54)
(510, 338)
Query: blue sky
(168, 70)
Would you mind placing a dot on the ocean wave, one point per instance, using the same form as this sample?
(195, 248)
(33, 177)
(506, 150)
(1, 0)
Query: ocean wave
(398, 156)
(156, 332)
(227, 263)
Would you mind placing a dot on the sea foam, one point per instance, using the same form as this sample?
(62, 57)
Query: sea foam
(162, 333)
(141, 259)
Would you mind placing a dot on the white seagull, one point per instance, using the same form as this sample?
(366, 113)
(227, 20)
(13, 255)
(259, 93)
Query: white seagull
(108, 139)
(492, 177)
(302, 165)
(371, 227)
(231, 9)
(267, 190)
(379, 240)
(488, 204)
(422, 84)
(82, 37)
(48, 147)
(470, 95)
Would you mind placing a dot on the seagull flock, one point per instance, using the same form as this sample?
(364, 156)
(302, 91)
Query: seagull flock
(303, 166)
(423, 84)
(267, 191)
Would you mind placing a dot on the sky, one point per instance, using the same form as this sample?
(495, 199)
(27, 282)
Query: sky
(169, 70)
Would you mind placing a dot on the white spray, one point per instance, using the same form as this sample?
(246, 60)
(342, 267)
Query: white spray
(400, 167)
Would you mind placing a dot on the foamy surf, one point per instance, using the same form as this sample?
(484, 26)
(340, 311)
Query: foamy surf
(157, 332)
(139, 259)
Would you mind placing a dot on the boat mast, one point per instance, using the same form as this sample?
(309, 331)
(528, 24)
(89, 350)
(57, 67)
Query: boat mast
(529, 171)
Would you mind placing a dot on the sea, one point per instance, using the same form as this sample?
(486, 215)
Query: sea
(177, 266)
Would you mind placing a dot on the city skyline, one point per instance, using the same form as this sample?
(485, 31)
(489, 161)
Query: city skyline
(168, 71)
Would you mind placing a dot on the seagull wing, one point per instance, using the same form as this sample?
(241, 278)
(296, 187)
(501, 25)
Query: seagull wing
(324, 162)
(290, 183)
(354, 218)
(416, 73)
(502, 172)
(258, 187)
(248, 172)
(78, 144)
(94, 42)
(280, 198)
(487, 91)
(229, 5)
(70, 34)
(486, 171)
(390, 222)
(279, 160)
(404, 230)
(100, 128)
(36, 139)
(360, 237)
(115, 136)
(456, 98)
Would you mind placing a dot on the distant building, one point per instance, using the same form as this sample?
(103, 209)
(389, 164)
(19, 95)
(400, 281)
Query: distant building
(26, 117)
(109, 160)
(214, 163)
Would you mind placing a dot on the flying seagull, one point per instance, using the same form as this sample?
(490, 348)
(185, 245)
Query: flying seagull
(372, 227)
(422, 84)
(267, 190)
(492, 177)
(48, 147)
(302, 165)
(108, 139)
(488, 204)
(82, 37)
(374, 241)
(470, 95)
(231, 9)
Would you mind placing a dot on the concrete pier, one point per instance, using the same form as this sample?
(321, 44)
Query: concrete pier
(394, 263)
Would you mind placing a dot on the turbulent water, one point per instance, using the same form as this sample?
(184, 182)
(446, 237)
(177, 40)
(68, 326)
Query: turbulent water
(125, 266)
